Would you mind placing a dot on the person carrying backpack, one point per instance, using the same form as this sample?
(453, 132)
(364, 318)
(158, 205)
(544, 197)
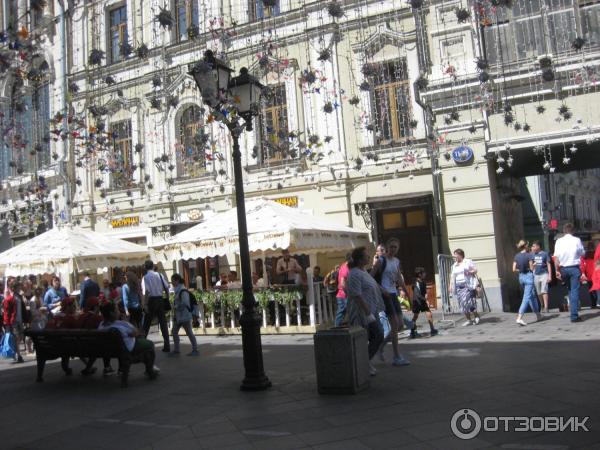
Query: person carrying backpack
(184, 309)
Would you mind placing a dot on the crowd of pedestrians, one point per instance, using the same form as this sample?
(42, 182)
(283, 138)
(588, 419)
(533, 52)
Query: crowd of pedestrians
(572, 264)
(130, 307)
(370, 292)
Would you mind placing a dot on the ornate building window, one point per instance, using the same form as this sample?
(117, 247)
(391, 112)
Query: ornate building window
(273, 121)
(121, 161)
(187, 17)
(258, 10)
(192, 143)
(533, 28)
(118, 32)
(391, 101)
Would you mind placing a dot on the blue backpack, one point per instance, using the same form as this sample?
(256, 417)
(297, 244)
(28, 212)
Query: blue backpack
(8, 347)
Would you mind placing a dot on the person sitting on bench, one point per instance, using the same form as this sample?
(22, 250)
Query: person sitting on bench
(89, 319)
(132, 337)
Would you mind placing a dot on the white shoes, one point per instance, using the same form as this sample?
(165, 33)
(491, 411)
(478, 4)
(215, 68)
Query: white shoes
(467, 323)
(521, 322)
(372, 370)
(476, 320)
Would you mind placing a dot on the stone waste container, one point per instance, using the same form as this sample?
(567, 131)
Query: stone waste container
(341, 360)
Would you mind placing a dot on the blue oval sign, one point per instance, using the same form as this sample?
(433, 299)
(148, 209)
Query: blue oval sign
(462, 154)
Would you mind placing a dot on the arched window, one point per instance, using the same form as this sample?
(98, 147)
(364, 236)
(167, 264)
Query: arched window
(192, 143)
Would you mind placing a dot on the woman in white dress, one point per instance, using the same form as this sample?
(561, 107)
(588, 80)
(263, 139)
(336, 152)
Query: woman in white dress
(463, 285)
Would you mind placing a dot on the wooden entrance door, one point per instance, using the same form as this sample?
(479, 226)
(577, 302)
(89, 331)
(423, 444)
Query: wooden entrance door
(412, 227)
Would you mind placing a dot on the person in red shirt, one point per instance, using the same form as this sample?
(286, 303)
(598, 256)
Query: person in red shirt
(587, 272)
(596, 277)
(14, 308)
(340, 296)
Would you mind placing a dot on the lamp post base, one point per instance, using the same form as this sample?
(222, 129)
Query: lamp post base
(255, 378)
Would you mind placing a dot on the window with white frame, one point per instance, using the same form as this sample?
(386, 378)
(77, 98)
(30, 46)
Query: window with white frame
(192, 142)
(452, 49)
(121, 161)
(117, 32)
(188, 18)
(390, 102)
(273, 125)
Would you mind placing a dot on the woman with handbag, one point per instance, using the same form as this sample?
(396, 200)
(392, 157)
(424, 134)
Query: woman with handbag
(463, 284)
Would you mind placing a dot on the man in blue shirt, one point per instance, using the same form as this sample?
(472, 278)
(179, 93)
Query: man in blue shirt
(541, 272)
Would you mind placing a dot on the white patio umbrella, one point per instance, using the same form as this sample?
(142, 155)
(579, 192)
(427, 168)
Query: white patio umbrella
(272, 227)
(66, 249)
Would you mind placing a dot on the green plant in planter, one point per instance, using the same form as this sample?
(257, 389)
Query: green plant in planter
(209, 299)
(231, 299)
(263, 298)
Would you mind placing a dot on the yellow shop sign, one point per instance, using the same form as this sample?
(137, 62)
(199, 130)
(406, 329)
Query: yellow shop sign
(292, 202)
(133, 221)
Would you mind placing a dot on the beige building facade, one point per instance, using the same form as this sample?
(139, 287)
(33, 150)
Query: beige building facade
(376, 116)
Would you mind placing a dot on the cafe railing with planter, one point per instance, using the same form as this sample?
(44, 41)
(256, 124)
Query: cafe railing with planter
(284, 309)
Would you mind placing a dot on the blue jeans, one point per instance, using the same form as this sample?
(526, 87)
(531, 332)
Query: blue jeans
(571, 275)
(341, 311)
(529, 297)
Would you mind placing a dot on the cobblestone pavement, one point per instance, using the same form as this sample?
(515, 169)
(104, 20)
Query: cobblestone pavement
(496, 368)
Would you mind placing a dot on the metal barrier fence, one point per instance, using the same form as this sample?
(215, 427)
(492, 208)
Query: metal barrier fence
(450, 306)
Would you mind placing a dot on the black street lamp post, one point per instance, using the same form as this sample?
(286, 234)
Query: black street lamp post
(242, 93)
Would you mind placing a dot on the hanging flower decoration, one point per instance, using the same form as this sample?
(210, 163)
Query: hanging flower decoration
(365, 86)
(73, 87)
(578, 43)
(526, 127)
(96, 57)
(472, 129)
(308, 77)
(335, 9)
(370, 70)
(38, 5)
(328, 108)
(324, 55)
(462, 15)
(422, 82)
(126, 49)
(540, 109)
(508, 118)
(413, 123)
(143, 51)
(165, 18)
(173, 101)
(565, 112)
(354, 100)
(416, 4)
(155, 103)
(156, 81)
(110, 80)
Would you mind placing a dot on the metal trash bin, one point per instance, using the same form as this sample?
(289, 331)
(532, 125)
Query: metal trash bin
(341, 360)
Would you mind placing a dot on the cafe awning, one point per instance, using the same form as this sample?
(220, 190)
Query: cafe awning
(272, 227)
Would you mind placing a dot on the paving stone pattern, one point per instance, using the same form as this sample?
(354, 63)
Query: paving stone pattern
(495, 368)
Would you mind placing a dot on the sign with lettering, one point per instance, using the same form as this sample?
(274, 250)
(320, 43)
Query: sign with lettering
(292, 202)
(462, 155)
(133, 221)
(194, 214)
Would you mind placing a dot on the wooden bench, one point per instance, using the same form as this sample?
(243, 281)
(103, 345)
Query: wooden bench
(67, 343)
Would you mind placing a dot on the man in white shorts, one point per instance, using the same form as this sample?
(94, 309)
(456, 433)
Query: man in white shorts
(541, 272)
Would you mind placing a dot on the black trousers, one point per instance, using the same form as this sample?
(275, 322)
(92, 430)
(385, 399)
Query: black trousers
(155, 309)
(135, 317)
(375, 335)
